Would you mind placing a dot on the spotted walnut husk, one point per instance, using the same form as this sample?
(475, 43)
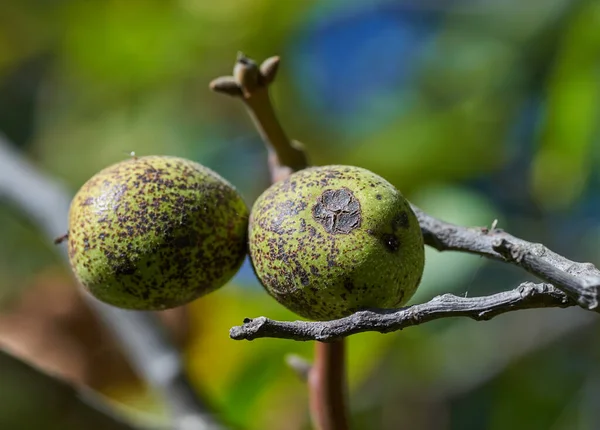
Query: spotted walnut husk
(330, 241)
(156, 232)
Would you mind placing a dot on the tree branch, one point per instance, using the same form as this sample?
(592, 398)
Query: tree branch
(576, 283)
(572, 283)
(580, 281)
(526, 296)
(251, 83)
(299, 365)
(30, 398)
(326, 379)
(141, 335)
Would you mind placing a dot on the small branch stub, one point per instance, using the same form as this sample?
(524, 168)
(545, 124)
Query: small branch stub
(61, 239)
(299, 365)
(250, 82)
(248, 77)
(226, 85)
(268, 69)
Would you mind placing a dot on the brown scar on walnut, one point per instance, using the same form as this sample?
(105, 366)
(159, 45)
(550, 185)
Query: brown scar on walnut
(338, 211)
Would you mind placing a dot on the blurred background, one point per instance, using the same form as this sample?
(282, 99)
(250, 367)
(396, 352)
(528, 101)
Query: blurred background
(476, 110)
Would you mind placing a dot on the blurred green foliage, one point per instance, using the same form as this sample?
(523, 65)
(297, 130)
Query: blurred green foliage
(495, 117)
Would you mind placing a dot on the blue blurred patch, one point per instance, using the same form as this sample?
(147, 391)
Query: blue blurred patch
(245, 276)
(349, 60)
(507, 187)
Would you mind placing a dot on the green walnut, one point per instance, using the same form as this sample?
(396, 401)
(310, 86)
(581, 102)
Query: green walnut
(332, 240)
(156, 232)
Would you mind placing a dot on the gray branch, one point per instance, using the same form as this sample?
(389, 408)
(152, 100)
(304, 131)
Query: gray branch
(526, 296)
(141, 335)
(30, 397)
(580, 281)
(571, 283)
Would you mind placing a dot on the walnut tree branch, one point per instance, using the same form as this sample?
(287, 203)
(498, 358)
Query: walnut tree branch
(580, 281)
(142, 337)
(251, 84)
(526, 296)
(30, 397)
(327, 378)
(572, 284)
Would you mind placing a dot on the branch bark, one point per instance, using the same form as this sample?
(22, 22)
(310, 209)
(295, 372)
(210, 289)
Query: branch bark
(326, 379)
(526, 296)
(141, 335)
(572, 282)
(250, 83)
(30, 398)
(580, 281)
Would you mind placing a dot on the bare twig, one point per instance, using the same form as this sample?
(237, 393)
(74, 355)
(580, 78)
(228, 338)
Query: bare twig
(576, 283)
(326, 379)
(156, 359)
(525, 296)
(251, 84)
(30, 398)
(141, 335)
(572, 284)
(580, 281)
(299, 365)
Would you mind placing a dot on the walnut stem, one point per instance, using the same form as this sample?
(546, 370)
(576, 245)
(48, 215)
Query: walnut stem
(327, 382)
(251, 84)
(326, 379)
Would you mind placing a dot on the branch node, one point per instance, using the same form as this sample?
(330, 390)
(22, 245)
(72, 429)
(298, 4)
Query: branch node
(247, 75)
(226, 85)
(61, 239)
(251, 83)
(510, 251)
(268, 69)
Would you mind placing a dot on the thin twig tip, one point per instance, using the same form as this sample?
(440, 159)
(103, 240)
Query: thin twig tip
(61, 239)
